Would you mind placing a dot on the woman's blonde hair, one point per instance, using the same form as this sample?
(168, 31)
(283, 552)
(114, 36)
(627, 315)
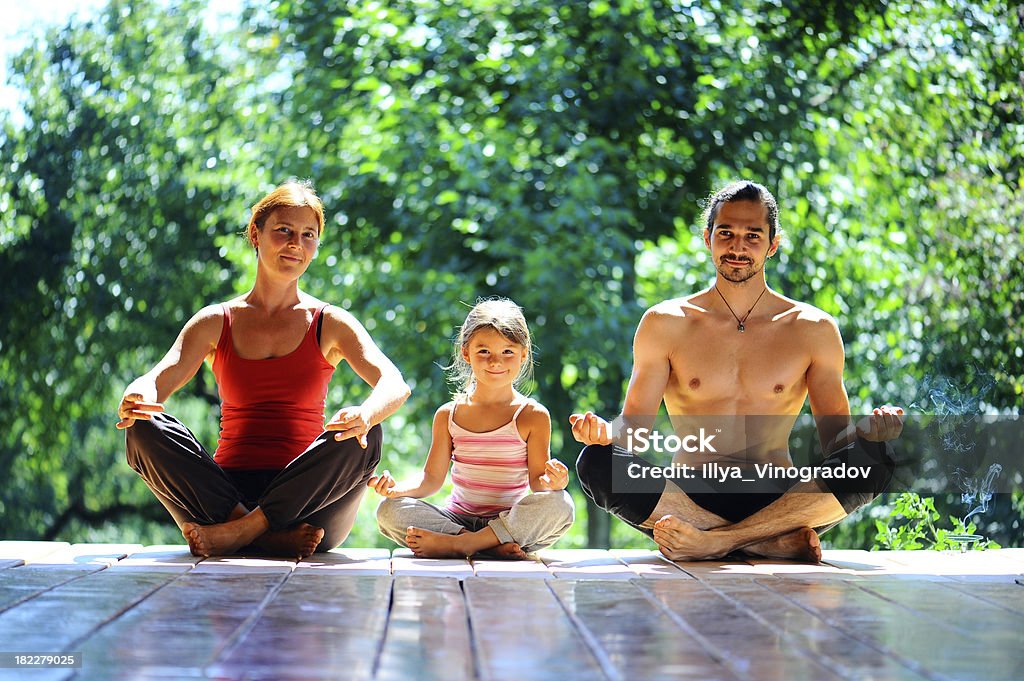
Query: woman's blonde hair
(501, 315)
(291, 194)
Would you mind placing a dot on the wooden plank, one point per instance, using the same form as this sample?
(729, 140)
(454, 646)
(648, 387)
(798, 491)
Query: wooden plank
(926, 645)
(585, 564)
(180, 629)
(319, 625)
(525, 569)
(769, 567)
(631, 639)
(1007, 596)
(21, 584)
(403, 562)
(89, 554)
(427, 634)
(59, 620)
(706, 570)
(245, 565)
(859, 562)
(349, 562)
(649, 564)
(971, 564)
(750, 647)
(961, 612)
(801, 629)
(10, 562)
(538, 642)
(29, 551)
(161, 557)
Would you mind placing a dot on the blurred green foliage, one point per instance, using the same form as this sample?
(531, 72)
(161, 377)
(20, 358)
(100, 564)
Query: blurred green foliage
(554, 152)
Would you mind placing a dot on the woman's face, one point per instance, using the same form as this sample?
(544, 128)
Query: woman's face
(288, 241)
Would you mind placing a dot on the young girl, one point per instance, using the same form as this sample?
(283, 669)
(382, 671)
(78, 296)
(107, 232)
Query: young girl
(496, 441)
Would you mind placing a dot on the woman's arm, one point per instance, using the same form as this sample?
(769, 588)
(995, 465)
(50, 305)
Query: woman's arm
(347, 340)
(196, 341)
(435, 470)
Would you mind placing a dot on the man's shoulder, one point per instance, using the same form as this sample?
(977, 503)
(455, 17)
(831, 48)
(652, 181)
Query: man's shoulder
(675, 310)
(808, 320)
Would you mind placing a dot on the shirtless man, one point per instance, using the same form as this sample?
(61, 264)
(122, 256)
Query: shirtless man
(738, 359)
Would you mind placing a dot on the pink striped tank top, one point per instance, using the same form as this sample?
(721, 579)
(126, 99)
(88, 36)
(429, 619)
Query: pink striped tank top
(489, 470)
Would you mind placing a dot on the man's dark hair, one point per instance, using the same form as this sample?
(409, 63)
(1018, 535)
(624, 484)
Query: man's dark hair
(743, 190)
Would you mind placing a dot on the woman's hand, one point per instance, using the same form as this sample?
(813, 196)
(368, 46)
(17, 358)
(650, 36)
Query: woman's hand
(350, 422)
(556, 475)
(134, 407)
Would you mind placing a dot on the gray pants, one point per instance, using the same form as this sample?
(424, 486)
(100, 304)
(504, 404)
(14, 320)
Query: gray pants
(535, 522)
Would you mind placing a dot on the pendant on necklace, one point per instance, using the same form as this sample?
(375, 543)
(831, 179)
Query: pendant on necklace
(740, 327)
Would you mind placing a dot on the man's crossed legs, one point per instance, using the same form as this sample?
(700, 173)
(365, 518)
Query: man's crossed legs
(709, 524)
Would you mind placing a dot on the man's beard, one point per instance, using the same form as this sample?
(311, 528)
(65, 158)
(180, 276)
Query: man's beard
(738, 276)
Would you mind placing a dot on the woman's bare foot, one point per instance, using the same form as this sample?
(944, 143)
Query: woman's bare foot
(802, 545)
(211, 540)
(300, 541)
(224, 539)
(506, 551)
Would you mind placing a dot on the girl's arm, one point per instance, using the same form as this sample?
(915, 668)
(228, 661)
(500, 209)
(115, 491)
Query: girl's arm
(546, 474)
(196, 341)
(348, 340)
(435, 470)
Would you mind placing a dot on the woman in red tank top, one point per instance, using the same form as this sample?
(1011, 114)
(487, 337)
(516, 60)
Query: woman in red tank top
(282, 480)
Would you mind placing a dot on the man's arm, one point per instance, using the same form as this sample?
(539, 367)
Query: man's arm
(830, 404)
(348, 340)
(651, 371)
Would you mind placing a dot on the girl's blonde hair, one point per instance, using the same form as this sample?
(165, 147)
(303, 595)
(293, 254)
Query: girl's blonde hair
(501, 315)
(291, 194)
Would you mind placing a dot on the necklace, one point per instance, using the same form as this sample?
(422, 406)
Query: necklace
(740, 322)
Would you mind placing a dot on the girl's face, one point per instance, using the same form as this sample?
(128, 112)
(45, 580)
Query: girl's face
(494, 359)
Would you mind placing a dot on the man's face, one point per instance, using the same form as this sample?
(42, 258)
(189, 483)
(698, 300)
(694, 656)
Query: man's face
(738, 240)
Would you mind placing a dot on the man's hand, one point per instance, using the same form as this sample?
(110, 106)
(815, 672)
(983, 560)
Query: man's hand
(383, 485)
(350, 422)
(556, 476)
(591, 429)
(134, 407)
(885, 423)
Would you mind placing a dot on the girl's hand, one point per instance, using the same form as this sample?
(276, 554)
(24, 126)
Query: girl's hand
(350, 422)
(591, 429)
(134, 407)
(383, 484)
(556, 475)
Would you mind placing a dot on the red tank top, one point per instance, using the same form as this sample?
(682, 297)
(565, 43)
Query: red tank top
(271, 409)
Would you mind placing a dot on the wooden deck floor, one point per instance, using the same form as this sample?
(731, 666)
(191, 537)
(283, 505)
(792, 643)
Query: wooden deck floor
(134, 612)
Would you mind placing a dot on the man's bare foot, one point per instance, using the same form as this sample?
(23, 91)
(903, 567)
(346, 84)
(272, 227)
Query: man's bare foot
(300, 541)
(211, 540)
(506, 551)
(802, 545)
(427, 544)
(679, 540)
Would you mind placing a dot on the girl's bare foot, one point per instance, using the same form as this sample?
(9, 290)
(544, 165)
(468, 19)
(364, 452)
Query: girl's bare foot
(802, 545)
(427, 544)
(506, 551)
(299, 541)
